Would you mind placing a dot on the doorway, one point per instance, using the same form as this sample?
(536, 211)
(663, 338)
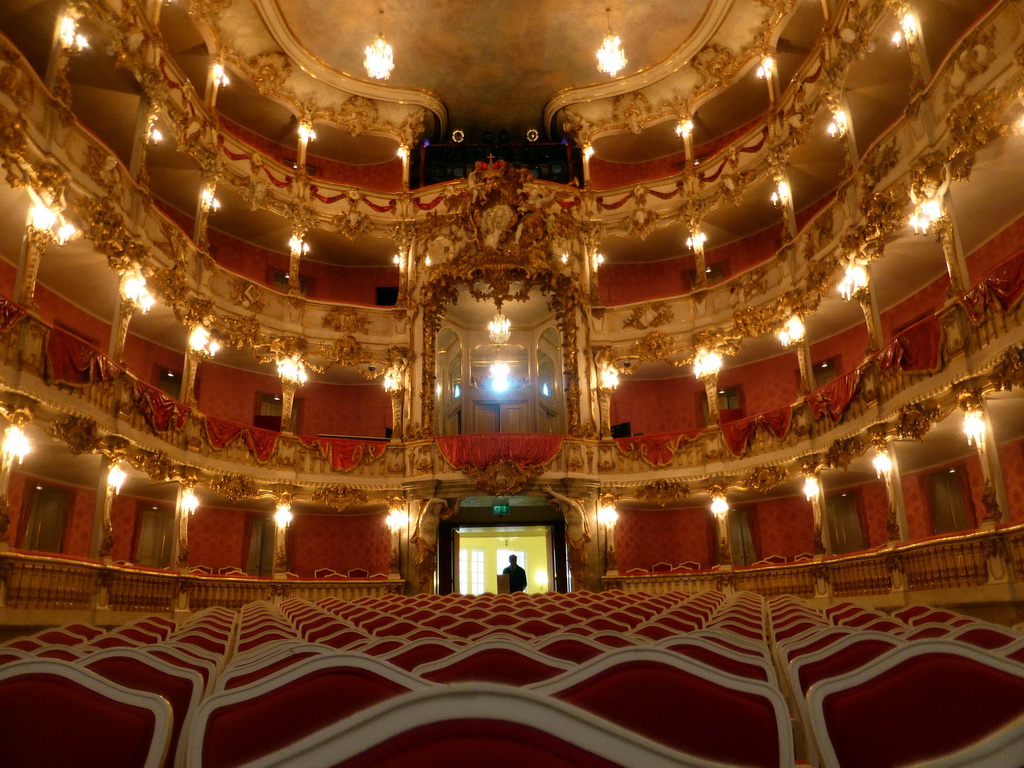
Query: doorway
(470, 556)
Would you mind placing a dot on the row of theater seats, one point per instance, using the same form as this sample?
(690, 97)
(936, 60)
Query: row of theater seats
(515, 680)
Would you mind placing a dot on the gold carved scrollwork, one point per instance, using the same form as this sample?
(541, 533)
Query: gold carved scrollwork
(339, 496)
(1008, 371)
(765, 478)
(346, 320)
(158, 465)
(652, 347)
(80, 433)
(915, 421)
(662, 492)
(235, 486)
(649, 315)
(842, 452)
(503, 478)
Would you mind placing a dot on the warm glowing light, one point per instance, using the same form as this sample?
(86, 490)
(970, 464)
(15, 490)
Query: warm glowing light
(611, 58)
(209, 201)
(42, 218)
(283, 515)
(402, 151)
(684, 128)
(200, 340)
(189, 502)
(588, 151)
(974, 428)
(607, 516)
(719, 506)
(292, 370)
(380, 59)
(155, 135)
(811, 488)
(133, 289)
(220, 75)
(706, 363)
(116, 477)
(839, 125)
(16, 445)
(782, 194)
(565, 258)
(792, 331)
(398, 261)
(598, 260)
(426, 260)
(499, 330)
(500, 376)
(392, 383)
(855, 279)
(882, 464)
(609, 377)
(907, 32)
(69, 35)
(764, 71)
(306, 132)
(397, 519)
(925, 214)
(65, 232)
(695, 242)
(298, 246)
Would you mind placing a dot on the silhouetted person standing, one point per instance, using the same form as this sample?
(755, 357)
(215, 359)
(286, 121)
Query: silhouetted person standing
(516, 575)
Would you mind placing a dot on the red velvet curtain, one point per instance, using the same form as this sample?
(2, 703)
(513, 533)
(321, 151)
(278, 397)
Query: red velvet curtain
(1002, 288)
(261, 442)
(918, 348)
(834, 398)
(344, 454)
(161, 410)
(738, 434)
(657, 450)
(220, 432)
(72, 361)
(482, 450)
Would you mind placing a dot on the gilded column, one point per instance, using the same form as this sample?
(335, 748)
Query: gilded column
(977, 426)
(887, 467)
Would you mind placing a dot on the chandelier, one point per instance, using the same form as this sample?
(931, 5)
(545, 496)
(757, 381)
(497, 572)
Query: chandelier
(706, 363)
(611, 59)
(792, 331)
(855, 279)
(499, 329)
(380, 56)
(292, 370)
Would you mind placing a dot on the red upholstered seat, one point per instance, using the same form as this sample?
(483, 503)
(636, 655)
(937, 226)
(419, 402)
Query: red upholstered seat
(492, 663)
(54, 715)
(414, 654)
(573, 649)
(961, 699)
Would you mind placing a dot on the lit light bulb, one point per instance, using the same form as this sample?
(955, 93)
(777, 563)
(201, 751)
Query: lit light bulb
(764, 71)
(706, 363)
(220, 75)
(116, 477)
(397, 519)
(306, 132)
(882, 464)
(974, 427)
(792, 331)
(283, 515)
(719, 506)
(607, 516)
(189, 502)
(811, 487)
(684, 128)
(16, 444)
(609, 377)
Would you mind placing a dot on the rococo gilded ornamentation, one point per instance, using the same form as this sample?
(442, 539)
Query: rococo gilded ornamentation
(503, 478)
(662, 492)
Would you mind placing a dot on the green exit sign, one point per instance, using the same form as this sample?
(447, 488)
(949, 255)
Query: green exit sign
(500, 509)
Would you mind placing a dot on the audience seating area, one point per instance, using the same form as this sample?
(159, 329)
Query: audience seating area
(520, 680)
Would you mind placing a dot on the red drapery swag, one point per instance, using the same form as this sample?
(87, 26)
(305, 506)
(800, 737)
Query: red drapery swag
(1002, 288)
(834, 398)
(72, 361)
(344, 454)
(737, 434)
(657, 450)
(260, 442)
(918, 348)
(161, 410)
(482, 450)
(10, 313)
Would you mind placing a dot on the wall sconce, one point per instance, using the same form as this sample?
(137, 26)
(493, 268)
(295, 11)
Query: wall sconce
(695, 242)
(706, 363)
(792, 331)
(283, 516)
(392, 382)
(133, 290)
(765, 69)
(811, 487)
(908, 31)
(292, 370)
(607, 516)
(51, 223)
(306, 132)
(298, 246)
(209, 201)
(70, 37)
(397, 519)
(925, 214)
(974, 428)
(598, 260)
(220, 75)
(855, 279)
(189, 502)
(588, 151)
(201, 342)
(684, 128)
(116, 477)
(609, 377)
(882, 464)
(782, 194)
(16, 445)
(839, 125)
(719, 506)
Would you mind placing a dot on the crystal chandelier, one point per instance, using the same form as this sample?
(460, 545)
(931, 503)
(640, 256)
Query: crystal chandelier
(611, 59)
(499, 329)
(380, 56)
